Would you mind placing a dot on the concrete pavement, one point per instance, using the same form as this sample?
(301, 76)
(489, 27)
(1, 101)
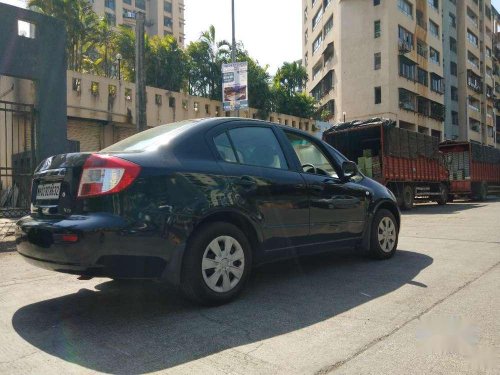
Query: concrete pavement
(431, 309)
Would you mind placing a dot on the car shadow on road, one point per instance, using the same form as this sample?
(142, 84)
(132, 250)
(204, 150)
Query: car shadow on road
(134, 328)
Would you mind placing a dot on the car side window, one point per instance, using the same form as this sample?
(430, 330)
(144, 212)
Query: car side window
(311, 157)
(258, 146)
(224, 148)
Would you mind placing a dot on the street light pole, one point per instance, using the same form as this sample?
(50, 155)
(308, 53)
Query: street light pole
(233, 49)
(119, 59)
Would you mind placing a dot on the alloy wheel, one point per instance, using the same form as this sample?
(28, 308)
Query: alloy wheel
(387, 234)
(223, 264)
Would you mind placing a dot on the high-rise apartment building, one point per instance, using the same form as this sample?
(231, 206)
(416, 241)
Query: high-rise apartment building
(163, 17)
(469, 74)
(377, 58)
(496, 70)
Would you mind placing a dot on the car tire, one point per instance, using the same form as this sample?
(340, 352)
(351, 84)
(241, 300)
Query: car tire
(384, 235)
(408, 198)
(212, 274)
(443, 195)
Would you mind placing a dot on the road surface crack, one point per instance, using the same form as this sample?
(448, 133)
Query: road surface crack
(337, 365)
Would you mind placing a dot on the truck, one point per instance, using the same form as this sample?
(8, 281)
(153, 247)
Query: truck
(410, 164)
(474, 169)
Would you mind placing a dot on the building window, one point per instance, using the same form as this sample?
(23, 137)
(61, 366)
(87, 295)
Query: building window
(328, 26)
(472, 16)
(405, 39)
(167, 22)
(422, 77)
(407, 68)
(317, 43)
(453, 20)
(377, 61)
(317, 18)
(407, 100)
(167, 6)
(111, 19)
(474, 125)
(472, 38)
(171, 102)
(406, 7)
(454, 118)
(378, 95)
(434, 28)
(376, 2)
(453, 44)
(453, 68)
(377, 31)
(26, 29)
(141, 4)
(436, 83)
(110, 4)
(474, 104)
(434, 56)
(422, 48)
(434, 4)
(421, 20)
(473, 59)
(454, 93)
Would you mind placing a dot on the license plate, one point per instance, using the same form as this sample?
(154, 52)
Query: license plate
(48, 191)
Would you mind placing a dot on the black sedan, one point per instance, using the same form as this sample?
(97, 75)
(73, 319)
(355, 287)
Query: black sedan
(198, 203)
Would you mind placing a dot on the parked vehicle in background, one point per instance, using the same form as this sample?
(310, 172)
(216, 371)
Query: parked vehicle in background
(474, 169)
(408, 163)
(197, 203)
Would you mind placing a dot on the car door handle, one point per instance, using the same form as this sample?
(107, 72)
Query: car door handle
(246, 181)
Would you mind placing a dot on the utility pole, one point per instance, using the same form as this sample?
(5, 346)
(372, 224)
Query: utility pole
(233, 49)
(140, 79)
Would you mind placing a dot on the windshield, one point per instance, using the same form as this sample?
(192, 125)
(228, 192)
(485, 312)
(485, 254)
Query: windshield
(150, 139)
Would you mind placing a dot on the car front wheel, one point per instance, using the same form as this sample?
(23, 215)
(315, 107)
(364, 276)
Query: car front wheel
(216, 265)
(384, 235)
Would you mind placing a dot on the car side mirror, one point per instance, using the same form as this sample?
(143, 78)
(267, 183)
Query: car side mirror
(349, 169)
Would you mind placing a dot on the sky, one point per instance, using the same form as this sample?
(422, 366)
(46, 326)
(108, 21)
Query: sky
(271, 30)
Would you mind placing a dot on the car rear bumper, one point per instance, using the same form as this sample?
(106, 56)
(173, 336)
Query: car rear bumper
(106, 246)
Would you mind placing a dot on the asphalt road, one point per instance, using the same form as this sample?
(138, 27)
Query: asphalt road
(432, 309)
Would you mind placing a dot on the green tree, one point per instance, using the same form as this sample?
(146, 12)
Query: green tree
(81, 25)
(206, 57)
(166, 63)
(288, 91)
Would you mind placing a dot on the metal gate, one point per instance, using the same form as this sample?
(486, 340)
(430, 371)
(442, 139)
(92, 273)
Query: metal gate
(17, 157)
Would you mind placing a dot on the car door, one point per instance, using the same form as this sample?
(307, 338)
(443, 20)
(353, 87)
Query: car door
(338, 207)
(263, 184)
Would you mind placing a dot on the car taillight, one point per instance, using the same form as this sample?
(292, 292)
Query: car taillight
(103, 174)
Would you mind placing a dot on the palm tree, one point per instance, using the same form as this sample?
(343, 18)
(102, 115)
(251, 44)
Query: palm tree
(81, 24)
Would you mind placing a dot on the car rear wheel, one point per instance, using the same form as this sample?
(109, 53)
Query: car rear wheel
(384, 235)
(216, 265)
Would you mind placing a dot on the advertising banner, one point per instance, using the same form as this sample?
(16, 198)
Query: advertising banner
(234, 86)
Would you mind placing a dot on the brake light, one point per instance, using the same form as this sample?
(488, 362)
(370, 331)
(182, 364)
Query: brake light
(103, 174)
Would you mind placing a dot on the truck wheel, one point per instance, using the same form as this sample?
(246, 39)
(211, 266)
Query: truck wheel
(443, 195)
(217, 264)
(483, 192)
(408, 198)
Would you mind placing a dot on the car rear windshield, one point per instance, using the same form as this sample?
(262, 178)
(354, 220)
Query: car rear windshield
(150, 139)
